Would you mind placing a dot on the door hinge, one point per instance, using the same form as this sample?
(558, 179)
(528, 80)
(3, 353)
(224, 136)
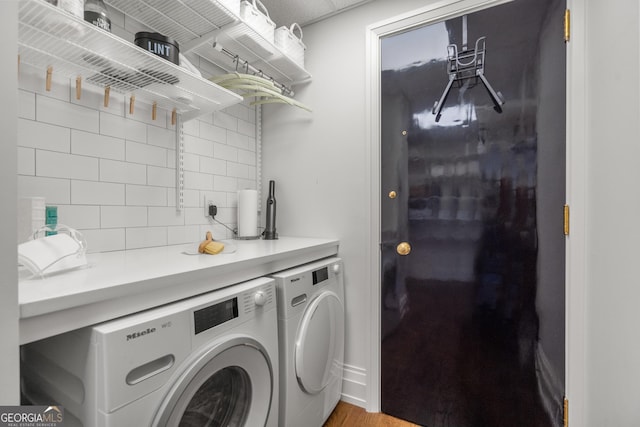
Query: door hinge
(565, 412)
(566, 220)
(567, 25)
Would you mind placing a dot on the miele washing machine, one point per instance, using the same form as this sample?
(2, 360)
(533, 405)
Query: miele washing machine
(311, 332)
(210, 360)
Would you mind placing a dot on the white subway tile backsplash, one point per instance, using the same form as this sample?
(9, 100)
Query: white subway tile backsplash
(195, 216)
(54, 190)
(105, 240)
(246, 128)
(192, 162)
(41, 135)
(184, 234)
(252, 144)
(146, 237)
(123, 216)
(225, 120)
(146, 154)
(113, 174)
(161, 177)
(26, 161)
(213, 166)
(171, 197)
(96, 193)
(26, 105)
(93, 144)
(213, 133)
(225, 152)
(225, 183)
(247, 157)
(160, 137)
(79, 216)
(61, 113)
(253, 174)
(198, 146)
(159, 216)
(237, 170)
(123, 172)
(192, 127)
(62, 165)
(142, 195)
(235, 139)
(242, 112)
(198, 181)
(119, 127)
(171, 158)
(192, 198)
(246, 183)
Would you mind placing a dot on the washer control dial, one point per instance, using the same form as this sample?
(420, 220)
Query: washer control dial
(336, 268)
(260, 298)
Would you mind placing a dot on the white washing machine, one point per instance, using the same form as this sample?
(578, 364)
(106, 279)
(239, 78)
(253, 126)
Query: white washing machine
(210, 360)
(311, 332)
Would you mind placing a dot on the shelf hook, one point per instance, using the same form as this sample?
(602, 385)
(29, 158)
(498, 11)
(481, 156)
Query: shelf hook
(132, 102)
(154, 110)
(107, 91)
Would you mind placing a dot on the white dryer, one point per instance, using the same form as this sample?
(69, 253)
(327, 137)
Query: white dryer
(208, 360)
(311, 332)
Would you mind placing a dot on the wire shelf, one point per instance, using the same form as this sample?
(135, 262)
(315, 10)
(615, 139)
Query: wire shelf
(198, 24)
(50, 37)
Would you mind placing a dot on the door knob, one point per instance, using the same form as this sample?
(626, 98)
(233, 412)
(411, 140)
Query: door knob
(403, 248)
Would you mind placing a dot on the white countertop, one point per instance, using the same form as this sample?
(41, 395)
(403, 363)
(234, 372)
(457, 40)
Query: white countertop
(123, 282)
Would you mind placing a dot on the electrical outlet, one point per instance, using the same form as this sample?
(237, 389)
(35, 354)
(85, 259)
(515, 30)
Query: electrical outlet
(207, 204)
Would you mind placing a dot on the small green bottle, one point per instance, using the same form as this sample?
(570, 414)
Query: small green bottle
(51, 219)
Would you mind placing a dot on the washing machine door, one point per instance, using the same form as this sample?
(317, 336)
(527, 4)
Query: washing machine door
(229, 384)
(319, 349)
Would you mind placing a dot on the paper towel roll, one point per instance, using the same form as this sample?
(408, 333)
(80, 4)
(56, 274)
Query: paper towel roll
(247, 213)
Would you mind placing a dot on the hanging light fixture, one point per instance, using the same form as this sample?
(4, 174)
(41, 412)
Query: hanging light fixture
(466, 67)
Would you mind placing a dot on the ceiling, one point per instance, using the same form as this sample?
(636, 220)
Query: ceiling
(304, 12)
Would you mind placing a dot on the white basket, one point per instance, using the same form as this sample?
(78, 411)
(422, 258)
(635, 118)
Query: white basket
(257, 20)
(289, 44)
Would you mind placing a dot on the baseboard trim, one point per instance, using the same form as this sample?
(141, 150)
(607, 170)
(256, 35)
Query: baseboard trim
(354, 385)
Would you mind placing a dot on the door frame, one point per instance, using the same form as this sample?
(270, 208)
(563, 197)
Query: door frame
(575, 269)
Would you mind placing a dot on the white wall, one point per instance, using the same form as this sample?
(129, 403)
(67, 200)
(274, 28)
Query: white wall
(613, 204)
(320, 162)
(112, 174)
(9, 394)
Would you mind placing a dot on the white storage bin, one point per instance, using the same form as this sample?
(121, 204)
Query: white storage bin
(290, 44)
(257, 20)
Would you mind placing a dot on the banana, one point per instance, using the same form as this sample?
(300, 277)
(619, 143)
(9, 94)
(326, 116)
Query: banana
(209, 246)
(213, 248)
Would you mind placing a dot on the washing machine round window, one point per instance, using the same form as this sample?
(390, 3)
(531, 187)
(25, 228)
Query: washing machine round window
(227, 385)
(320, 343)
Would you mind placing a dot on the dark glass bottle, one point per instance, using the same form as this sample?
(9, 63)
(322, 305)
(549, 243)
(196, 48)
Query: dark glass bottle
(96, 12)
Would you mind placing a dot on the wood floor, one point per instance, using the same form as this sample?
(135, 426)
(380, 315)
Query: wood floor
(347, 415)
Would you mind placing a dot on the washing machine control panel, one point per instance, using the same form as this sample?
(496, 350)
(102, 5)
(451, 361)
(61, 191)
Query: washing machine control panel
(214, 315)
